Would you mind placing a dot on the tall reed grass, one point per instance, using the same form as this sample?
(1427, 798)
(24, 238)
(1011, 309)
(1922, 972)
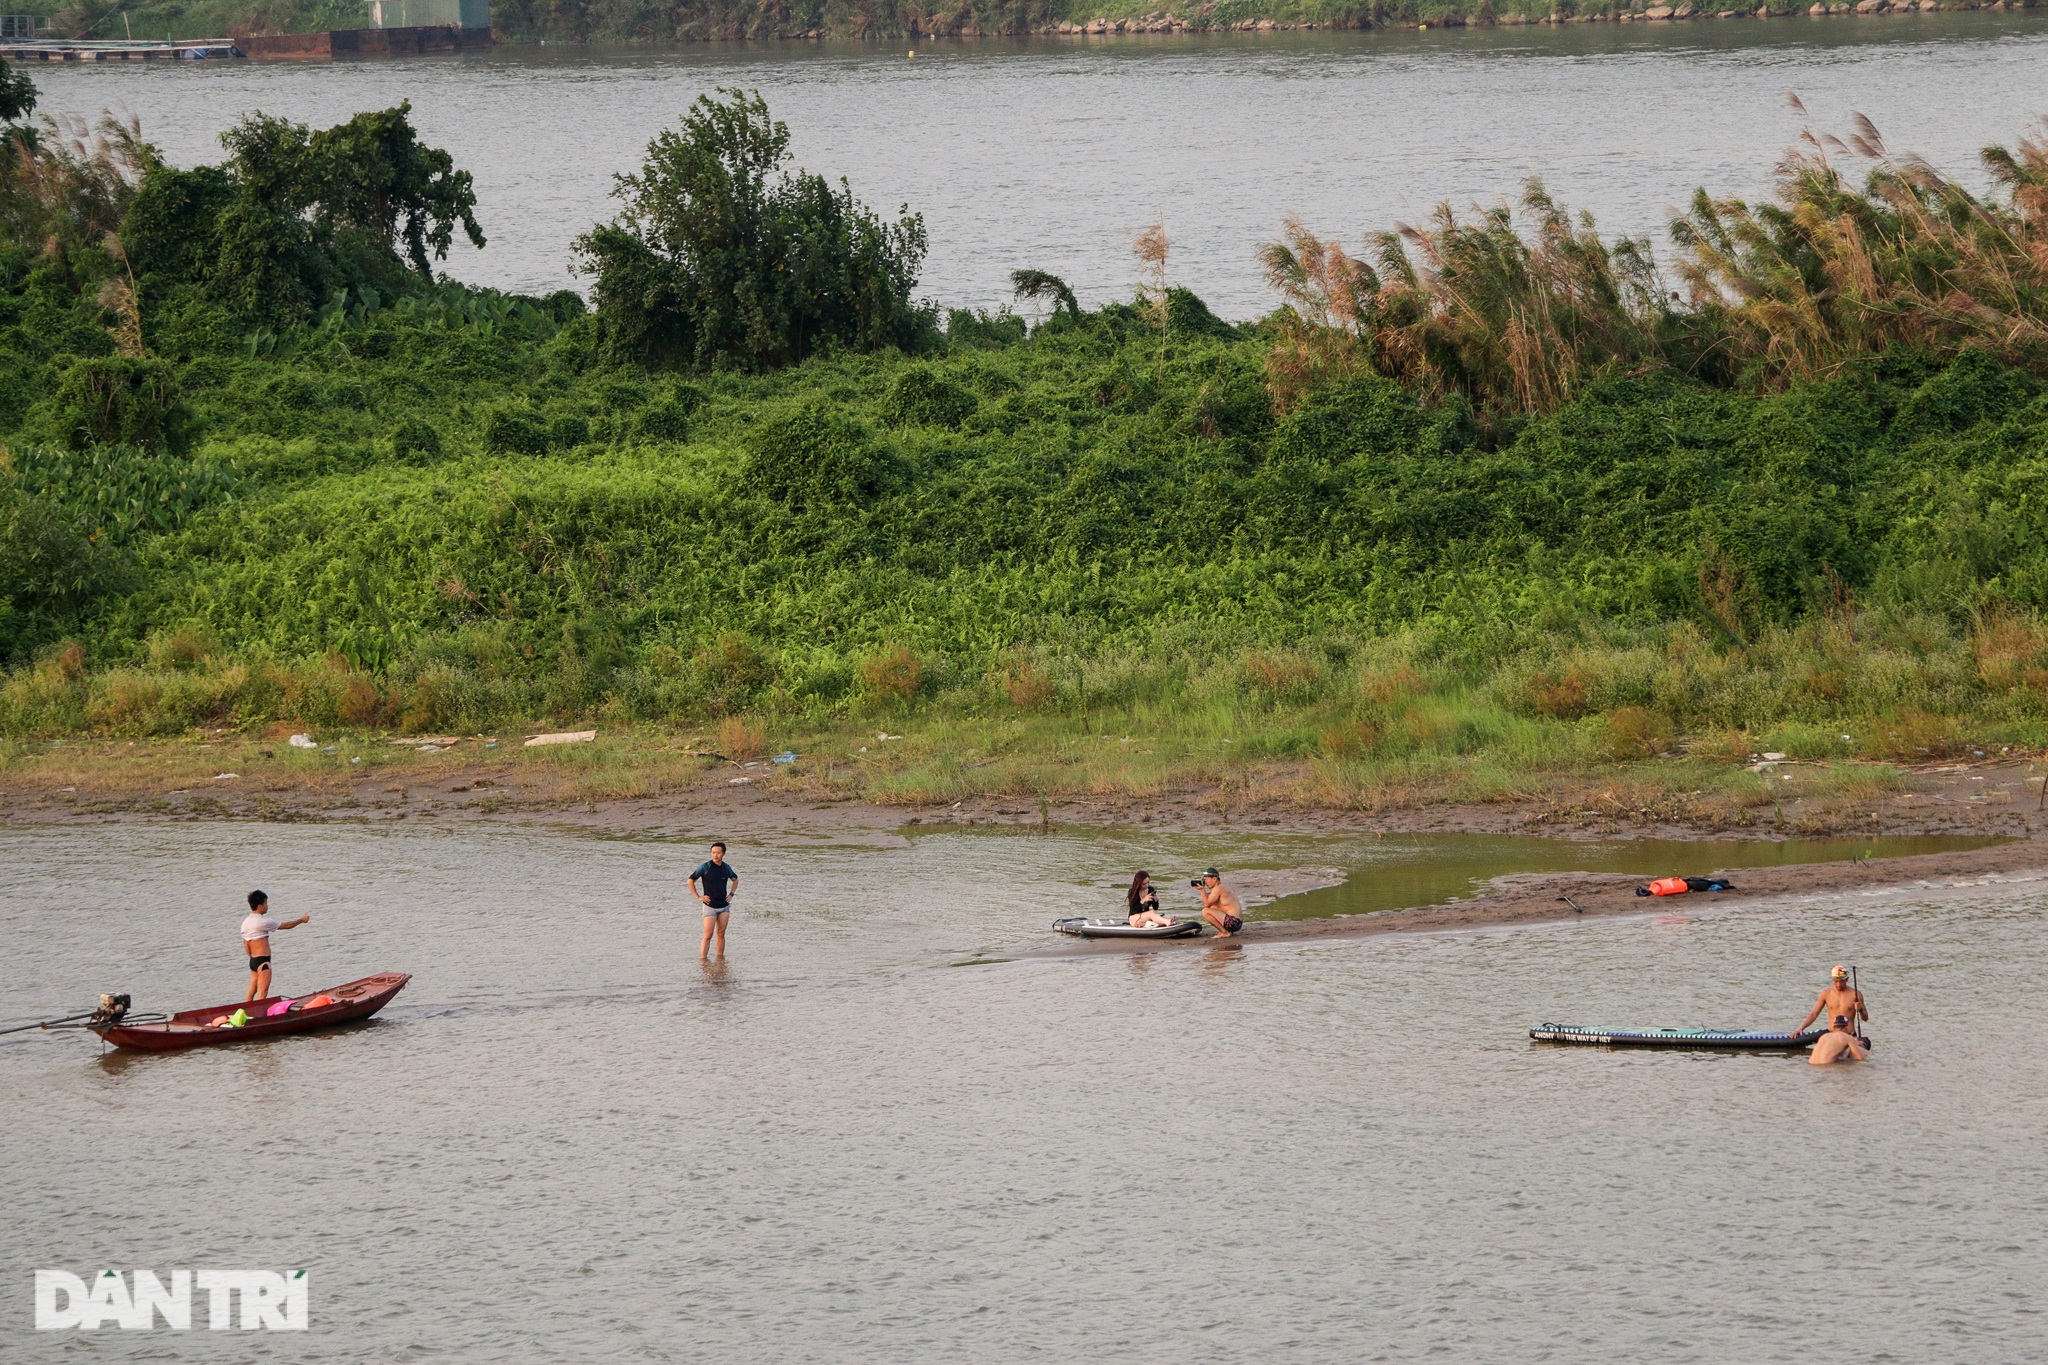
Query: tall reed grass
(1520, 319)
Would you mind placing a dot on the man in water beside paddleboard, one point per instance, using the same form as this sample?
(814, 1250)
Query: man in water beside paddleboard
(256, 932)
(1220, 905)
(713, 882)
(1844, 1007)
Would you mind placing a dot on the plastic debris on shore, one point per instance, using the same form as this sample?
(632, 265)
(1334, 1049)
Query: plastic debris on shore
(226, 777)
(739, 781)
(566, 737)
(786, 756)
(884, 734)
(303, 742)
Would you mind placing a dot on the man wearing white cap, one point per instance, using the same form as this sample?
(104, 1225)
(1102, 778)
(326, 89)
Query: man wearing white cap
(1844, 1007)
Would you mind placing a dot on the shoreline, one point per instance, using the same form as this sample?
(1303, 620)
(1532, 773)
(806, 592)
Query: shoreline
(1999, 798)
(1166, 23)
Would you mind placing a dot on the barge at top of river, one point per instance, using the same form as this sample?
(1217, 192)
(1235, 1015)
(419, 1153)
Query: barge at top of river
(110, 50)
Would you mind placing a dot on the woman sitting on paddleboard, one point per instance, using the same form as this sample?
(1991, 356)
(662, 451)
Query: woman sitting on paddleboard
(1844, 1007)
(1142, 902)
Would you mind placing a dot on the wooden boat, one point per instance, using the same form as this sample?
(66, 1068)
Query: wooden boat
(1715, 1039)
(188, 1028)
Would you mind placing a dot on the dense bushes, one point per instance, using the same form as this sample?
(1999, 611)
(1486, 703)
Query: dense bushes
(802, 530)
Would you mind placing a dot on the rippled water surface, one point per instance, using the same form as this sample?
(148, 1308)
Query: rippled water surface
(567, 1141)
(1052, 153)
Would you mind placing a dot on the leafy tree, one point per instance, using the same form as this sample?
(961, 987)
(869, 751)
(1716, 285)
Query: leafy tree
(713, 263)
(370, 176)
(17, 93)
(296, 216)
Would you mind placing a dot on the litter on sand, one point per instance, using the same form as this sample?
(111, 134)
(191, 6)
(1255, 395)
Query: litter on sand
(226, 777)
(786, 756)
(302, 742)
(1679, 886)
(566, 737)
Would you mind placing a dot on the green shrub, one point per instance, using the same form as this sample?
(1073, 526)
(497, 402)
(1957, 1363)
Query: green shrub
(668, 418)
(512, 431)
(816, 455)
(120, 400)
(414, 437)
(919, 396)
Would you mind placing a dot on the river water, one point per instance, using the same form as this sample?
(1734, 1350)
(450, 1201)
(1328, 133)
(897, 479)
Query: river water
(1052, 153)
(567, 1141)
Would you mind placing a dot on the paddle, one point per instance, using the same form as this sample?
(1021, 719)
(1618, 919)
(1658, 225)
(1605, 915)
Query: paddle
(1856, 1019)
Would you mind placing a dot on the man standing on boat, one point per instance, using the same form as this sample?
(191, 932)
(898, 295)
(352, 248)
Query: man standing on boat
(1220, 905)
(1844, 1007)
(256, 931)
(713, 883)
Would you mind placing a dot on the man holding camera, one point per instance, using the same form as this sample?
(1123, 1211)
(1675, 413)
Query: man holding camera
(1220, 905)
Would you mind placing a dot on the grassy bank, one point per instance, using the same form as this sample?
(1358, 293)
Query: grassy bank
(1487, 520)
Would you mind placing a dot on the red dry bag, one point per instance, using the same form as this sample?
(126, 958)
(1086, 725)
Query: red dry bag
(1669, 886)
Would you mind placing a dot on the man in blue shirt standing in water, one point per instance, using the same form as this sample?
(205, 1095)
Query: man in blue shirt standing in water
(713, 883)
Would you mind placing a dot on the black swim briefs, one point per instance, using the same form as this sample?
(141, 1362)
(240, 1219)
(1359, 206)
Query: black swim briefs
(257, 964)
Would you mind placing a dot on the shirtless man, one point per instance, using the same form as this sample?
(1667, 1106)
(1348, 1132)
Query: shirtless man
(1844, 1007)
(256, 932)
(1220, 905)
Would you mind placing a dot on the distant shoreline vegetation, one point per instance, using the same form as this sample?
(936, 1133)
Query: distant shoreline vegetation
(1484, 496)
(689, 21)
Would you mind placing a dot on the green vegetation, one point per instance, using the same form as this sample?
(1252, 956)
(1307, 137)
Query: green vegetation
(1490, 508)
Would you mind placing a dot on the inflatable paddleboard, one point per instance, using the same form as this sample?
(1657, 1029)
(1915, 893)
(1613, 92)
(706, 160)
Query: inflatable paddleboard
(1116, 928)
(1735, 1039)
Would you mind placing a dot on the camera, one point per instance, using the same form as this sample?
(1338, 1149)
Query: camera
(1198, 882)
